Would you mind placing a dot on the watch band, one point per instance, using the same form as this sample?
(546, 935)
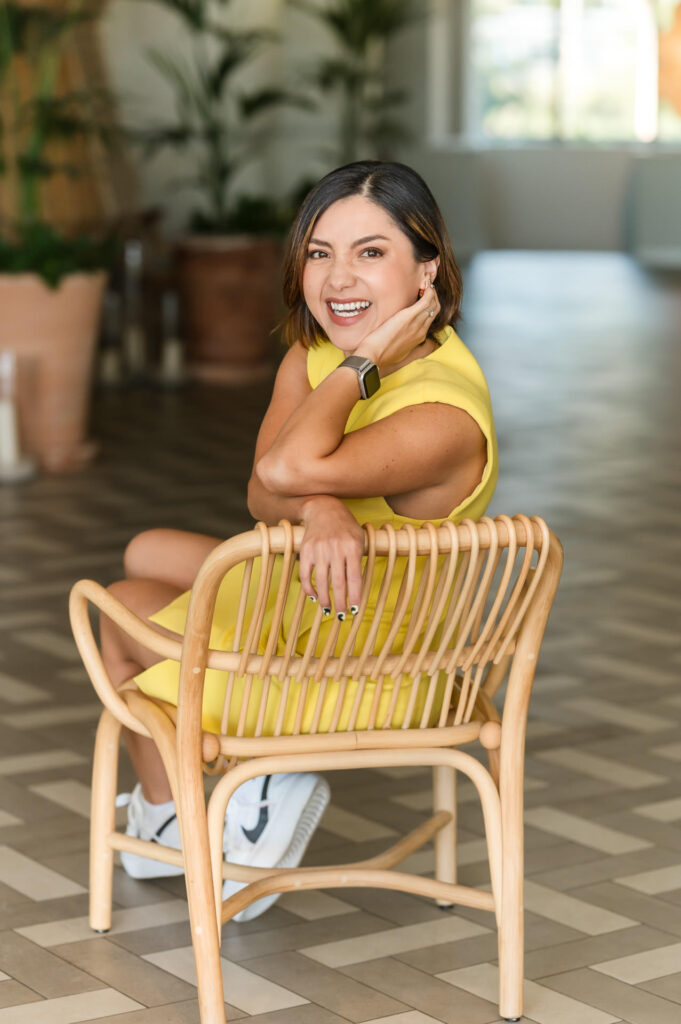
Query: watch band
(367, 374)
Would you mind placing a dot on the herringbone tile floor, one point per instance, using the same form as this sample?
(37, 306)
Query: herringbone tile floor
(583, 358)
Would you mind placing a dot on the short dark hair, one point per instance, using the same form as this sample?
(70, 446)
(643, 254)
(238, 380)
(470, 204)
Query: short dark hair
(404, 195)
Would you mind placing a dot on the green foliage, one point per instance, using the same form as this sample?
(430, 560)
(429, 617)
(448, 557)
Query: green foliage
(215, 117)
(37, 35)
(248, 215)
(369, 124)
(40, 249)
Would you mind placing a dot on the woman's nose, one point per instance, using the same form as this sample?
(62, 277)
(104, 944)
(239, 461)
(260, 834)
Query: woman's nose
(341, 274)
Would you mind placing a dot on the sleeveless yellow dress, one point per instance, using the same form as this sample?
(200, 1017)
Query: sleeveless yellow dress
(449, 375)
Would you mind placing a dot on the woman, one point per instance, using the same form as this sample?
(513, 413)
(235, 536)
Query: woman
(379, 413)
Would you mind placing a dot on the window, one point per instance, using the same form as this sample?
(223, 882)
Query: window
(580, 70)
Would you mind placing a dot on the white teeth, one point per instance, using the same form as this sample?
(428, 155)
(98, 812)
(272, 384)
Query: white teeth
(349, 308)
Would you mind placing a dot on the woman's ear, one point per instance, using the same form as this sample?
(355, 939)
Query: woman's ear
(431, 267)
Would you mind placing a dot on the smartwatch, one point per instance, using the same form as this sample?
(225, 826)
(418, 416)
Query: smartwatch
(367, 374)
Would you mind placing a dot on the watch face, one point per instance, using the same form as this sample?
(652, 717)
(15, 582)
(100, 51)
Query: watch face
(371, 381)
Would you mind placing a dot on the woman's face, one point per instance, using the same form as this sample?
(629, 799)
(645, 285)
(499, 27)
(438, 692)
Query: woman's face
(360, 270)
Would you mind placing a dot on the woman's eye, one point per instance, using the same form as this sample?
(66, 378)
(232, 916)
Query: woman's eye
(316, 254)
(373, 253)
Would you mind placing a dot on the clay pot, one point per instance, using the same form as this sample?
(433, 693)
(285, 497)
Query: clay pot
(53, 333)
(229, 287)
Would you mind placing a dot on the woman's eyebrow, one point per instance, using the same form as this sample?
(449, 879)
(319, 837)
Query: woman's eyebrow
(360, 241)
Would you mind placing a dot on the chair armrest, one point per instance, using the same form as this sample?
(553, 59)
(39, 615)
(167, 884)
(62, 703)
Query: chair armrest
(87, 591)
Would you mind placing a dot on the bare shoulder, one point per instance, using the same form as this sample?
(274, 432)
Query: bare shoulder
(291, 386)
(440, 430)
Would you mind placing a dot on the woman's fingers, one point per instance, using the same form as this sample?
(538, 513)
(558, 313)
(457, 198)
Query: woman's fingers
(353, 570)
(305, 568)
(321, 575)
(339, 584)
(338, 565)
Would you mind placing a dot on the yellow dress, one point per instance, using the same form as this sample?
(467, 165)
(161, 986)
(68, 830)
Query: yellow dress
(449, 375)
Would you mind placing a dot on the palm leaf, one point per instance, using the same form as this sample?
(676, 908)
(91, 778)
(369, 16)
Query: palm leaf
(264, 99)
(355, 22)
(194, 13)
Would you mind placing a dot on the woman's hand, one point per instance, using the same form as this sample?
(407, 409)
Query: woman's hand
(332, 548)
(401, 333)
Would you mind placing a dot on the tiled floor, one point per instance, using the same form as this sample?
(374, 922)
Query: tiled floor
(584, 361)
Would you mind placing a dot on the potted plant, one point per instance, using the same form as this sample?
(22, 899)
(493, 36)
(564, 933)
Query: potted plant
(228, 262)
(52, 270)
(356, 74)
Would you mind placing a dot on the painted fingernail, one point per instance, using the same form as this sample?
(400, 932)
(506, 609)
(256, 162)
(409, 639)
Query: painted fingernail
(312, 598)
(354, 608)
(326, 612)
(341, 616)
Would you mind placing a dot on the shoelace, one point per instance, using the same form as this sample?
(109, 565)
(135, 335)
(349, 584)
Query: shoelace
(125, 800)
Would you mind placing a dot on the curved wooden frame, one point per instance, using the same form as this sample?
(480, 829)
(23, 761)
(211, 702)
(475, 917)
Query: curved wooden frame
(484, 590)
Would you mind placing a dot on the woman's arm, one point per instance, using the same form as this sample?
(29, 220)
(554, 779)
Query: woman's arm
(334, 541)
(291, 388)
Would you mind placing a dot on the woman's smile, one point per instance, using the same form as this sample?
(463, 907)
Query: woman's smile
(347, 311)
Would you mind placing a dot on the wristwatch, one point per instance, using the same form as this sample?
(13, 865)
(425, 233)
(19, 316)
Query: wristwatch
(367, 374)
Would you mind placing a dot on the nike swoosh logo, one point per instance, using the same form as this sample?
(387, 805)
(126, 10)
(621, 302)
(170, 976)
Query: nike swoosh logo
(253, 834)
(157, 838)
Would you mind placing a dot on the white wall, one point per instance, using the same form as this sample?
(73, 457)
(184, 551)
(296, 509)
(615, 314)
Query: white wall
(529, 198)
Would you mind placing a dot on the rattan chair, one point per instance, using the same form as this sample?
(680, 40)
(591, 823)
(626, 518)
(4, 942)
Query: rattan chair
(471, 611)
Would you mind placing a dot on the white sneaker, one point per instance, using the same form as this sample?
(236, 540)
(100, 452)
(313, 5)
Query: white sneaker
(155, 822)
(270, 821)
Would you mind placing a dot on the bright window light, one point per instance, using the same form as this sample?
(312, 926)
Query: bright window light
(577, 70)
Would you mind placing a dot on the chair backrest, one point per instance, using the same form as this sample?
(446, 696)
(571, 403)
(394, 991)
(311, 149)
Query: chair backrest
(439, 606)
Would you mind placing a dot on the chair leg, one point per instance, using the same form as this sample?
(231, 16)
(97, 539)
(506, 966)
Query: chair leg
(103, 820)
(511, 920)
(202, 910)
(444, 799)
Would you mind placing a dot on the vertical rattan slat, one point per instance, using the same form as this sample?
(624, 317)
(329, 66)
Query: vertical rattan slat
(288, 565)
(369, 643)
(401, 606)
(302, 672)
(537, 574)
(505, 634)
(350, 640)
(509, 554)
(285, 675)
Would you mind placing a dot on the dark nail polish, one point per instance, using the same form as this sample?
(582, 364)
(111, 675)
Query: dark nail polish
(312, 598)
(354, 608)
(326, 612)
(341, 616)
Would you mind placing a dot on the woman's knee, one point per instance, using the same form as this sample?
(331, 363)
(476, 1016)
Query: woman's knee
(171, 556)
(145, 554)
(141, 596)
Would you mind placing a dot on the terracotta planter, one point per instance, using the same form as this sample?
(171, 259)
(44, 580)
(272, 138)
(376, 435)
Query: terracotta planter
(230, 287)
(53, 333)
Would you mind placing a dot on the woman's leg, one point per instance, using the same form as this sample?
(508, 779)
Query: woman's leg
(169, 556)
(160, 565)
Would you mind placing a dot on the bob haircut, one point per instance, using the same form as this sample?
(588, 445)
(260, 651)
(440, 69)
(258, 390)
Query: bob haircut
(404, 195)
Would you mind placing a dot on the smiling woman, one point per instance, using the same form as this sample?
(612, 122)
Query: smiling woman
(379, 414)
